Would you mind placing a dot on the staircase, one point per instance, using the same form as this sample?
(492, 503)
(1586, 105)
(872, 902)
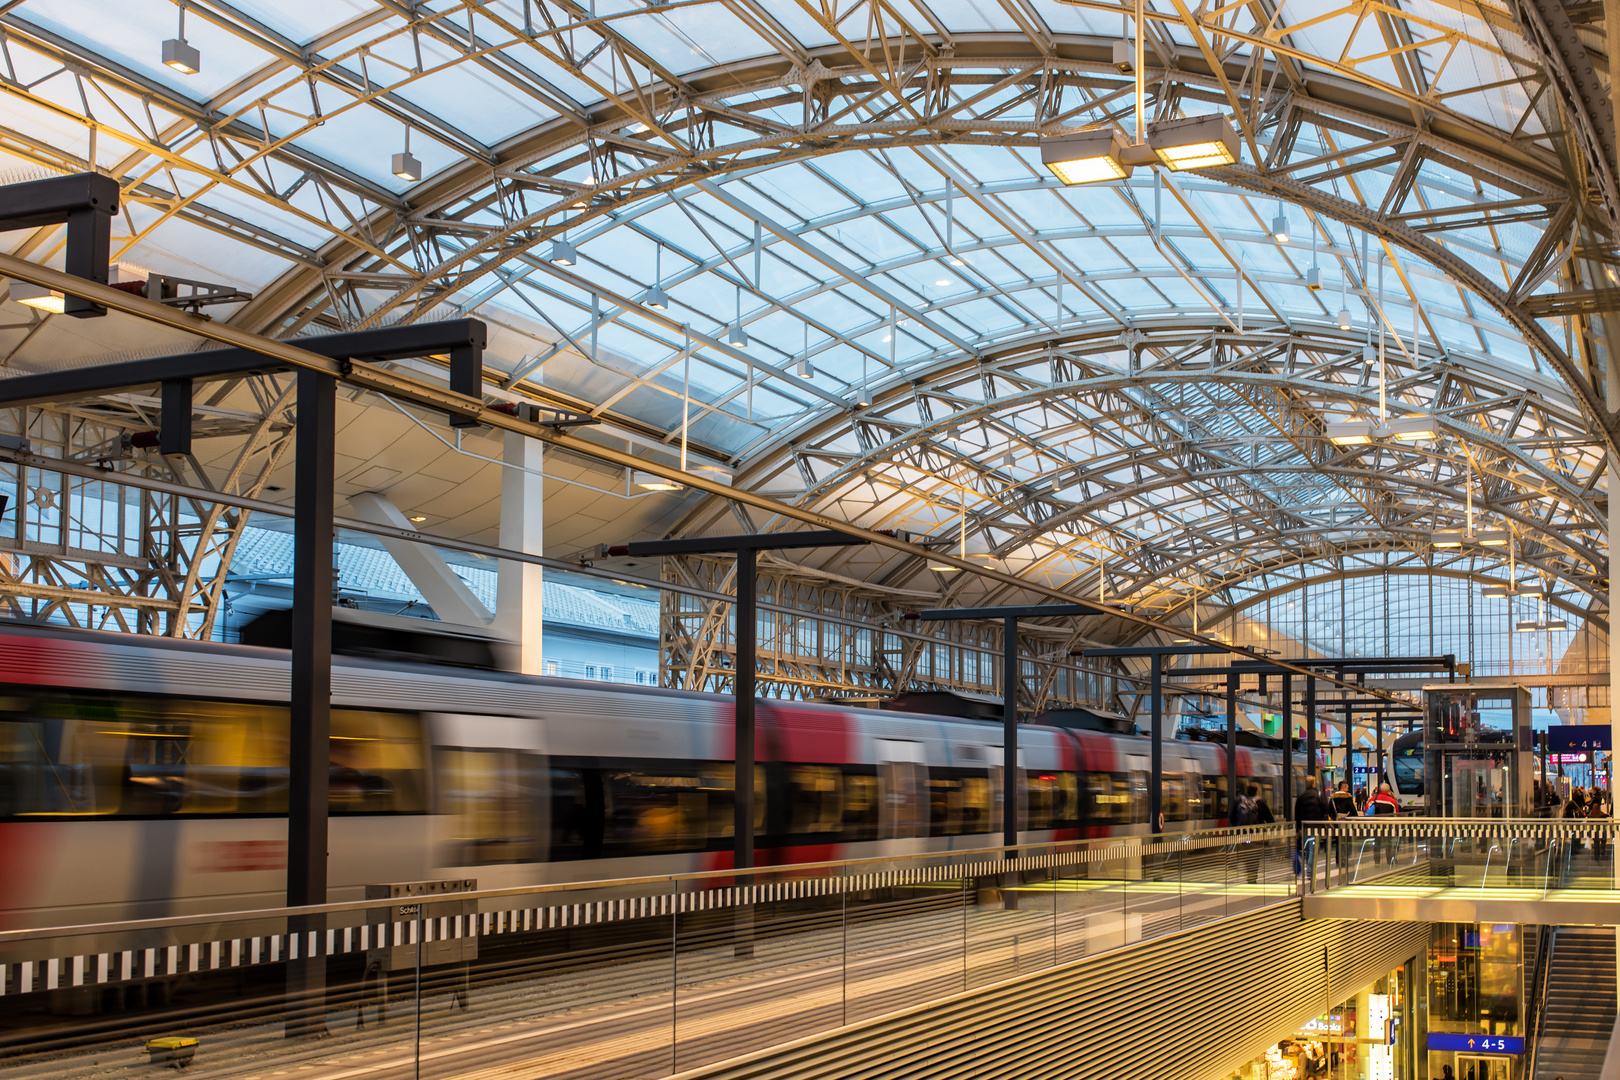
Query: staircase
(1580, 1007)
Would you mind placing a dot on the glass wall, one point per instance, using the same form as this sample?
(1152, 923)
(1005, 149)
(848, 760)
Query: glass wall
(1475, 989)
(1372, 1035)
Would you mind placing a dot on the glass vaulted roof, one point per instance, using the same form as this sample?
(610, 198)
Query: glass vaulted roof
(857, 187)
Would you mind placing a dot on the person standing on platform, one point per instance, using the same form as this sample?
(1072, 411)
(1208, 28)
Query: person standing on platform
(1384, 804)
(1309, 806)
(1344, 806)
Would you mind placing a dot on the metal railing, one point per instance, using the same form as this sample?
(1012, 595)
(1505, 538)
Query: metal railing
(638, 977)
(1481, 855)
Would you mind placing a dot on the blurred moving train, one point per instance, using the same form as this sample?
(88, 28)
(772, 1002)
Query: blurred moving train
(142, 777)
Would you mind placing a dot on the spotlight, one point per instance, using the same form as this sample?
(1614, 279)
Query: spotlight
(1353, 433)
(1194, 143)
(406, 167)
(563, 253)
(1313, 279)
(1279, 228)
(1124, 56)
(656, 298)
(737, 336)
(1085, 157)
(179, 54)
(1412, 429)
(805, 369)
(1344, 319)
(182, 55)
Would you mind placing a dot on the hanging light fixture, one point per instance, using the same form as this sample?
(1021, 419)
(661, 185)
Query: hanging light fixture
(653, 482)
(1448, 538)
(180, 54)
(405, 165)
(655, 297)
(1313, 276)
(1350, 433)
(1412, 429)
(38, 297)
(1196, 142)
(562, 252)
(1490, 538)
(1279, 225)
(1086, 157)
(1344, 306)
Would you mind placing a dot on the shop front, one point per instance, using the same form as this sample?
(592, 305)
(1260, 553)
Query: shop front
(1370, 1036)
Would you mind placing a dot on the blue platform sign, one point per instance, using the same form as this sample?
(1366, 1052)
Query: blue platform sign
(1577, 738)
(1476, 1044)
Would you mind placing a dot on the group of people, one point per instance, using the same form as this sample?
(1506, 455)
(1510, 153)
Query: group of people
(1311, 805)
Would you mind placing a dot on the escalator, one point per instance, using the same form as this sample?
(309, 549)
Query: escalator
(1577, 1010)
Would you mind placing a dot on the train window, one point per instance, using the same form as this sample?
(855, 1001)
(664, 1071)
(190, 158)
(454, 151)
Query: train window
(491, 797)
(1173, 803)
(570, 814)
(817, 800)
(672, 806)
(976, 803)
(1051, 801)
(1408, 770)
(98, 755)
(1212, 791)
(1108, 798)
(862, 802)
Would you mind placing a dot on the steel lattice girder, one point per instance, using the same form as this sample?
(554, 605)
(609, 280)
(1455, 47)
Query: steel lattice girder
(1148, 449)
(414, 252)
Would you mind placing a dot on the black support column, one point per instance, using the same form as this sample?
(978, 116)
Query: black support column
(747, 631)
(1285, 812)
(309, 755)
(1156, 718)
(1011, 788)
(1231, 746)
(1310, 727)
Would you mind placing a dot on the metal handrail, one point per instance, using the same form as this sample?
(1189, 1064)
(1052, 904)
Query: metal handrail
(1540, 978)
(1486, 876)
(1127, 846)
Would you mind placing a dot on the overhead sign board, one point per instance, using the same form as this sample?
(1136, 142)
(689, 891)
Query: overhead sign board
(1578, 738)
(1476, 1044)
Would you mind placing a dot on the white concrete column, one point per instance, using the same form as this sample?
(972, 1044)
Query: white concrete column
(518, 594)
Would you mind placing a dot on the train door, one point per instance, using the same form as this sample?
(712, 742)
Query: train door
(1484, 1067)
(998, 791)
(1138, 773)
(903, 774)
(492, 792)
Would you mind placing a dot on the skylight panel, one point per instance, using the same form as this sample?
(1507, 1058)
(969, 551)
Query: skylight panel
(688, 39)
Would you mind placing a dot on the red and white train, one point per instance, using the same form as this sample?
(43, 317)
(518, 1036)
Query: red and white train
(142, 777)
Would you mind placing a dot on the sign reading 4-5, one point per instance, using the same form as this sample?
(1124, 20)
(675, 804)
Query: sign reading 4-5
(1476, 1044)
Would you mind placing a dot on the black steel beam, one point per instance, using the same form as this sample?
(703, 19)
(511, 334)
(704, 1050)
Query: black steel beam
(1156, 756)
(713, 545)
(310, 714)
(1028, 611)
(463, 337)
(1231, 746)
(1152, 650)
(174, 429)
(85, 203)
(1011, 786)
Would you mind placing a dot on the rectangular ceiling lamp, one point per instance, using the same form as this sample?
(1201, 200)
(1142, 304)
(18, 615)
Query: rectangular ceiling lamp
(38, 296)
(1448, 538)
(718, 473)
(942, 567)
(1557, 624)
(1528, 589)
(1086, 157)
(1413, 429)
(1495, 592)
(1197, 142)
(1525, 626)
(653, 482)
(1491, 538)
(1353, 433)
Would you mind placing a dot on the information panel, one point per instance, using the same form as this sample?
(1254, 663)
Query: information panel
(1577, 738)
(1477, 1044)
